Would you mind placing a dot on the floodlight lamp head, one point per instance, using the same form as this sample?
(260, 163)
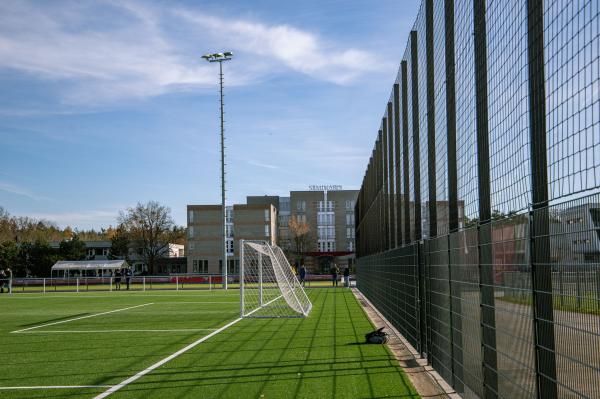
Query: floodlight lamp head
(218, 55)
(207, 56)
(228, 54)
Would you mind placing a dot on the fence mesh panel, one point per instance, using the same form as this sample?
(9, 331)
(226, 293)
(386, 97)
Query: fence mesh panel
(494, 275)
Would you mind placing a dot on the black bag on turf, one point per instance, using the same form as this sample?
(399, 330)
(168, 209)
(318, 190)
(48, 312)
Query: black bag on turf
(377, 337)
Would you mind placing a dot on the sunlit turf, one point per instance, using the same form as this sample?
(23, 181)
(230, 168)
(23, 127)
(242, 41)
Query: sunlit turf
(321, 356)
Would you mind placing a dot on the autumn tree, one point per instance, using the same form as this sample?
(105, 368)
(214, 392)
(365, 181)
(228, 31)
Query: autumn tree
(300, 235)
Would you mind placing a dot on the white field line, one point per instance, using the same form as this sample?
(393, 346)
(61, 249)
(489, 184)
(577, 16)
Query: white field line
(156, 365)
(83, 295)
(200, 302)
(53, 387)
(114, 331)
(79, 318)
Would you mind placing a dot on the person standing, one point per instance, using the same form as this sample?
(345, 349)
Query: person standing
(128, 274)
(347, 277)
(334, 275)
(2, 281)
(9, 276)
(118, 280)
(302, 274)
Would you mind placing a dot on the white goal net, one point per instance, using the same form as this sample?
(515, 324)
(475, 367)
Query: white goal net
(268, 285)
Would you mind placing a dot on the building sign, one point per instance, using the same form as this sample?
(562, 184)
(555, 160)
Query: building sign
(326, 187)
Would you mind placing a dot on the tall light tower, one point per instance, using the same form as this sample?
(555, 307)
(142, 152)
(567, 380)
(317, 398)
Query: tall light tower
(220, 57)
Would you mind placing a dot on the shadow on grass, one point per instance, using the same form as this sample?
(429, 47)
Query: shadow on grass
(54, 320)
(325, 365)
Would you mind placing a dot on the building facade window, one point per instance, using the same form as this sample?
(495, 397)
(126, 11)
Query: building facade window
(200, 266)
(267, 215)
(350, 219)
(325, 218)
(301, 206)
(191, 231)
(233, 266)
(190, 216)
(325, 206)
(326, 245)
(267, 230)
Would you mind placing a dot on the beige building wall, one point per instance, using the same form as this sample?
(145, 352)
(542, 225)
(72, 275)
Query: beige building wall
(205, 238)
(254, 222)
(205, 230)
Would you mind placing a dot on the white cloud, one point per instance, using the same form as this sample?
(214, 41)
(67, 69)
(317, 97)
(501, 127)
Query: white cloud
(110, 50)
(261, 164)
(21, 191)
(299, 50)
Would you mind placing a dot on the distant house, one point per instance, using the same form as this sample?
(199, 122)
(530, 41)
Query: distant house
(100, 250)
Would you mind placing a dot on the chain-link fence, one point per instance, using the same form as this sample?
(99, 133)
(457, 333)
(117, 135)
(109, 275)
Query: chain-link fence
(478, 219)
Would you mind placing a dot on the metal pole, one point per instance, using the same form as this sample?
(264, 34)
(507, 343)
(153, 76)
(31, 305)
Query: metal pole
(241, 278)
(223, 180)
(260, 280)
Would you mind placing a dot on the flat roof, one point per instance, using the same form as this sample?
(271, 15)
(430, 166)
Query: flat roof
(90, 265)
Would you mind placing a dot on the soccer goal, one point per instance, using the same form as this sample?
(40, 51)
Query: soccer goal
(268, 285)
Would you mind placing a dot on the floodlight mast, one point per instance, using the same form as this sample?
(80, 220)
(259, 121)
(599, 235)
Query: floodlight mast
(220, 57)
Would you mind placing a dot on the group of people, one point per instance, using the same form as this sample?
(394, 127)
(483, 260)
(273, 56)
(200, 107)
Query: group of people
(119, 274)
(6, 280)
(335, 272)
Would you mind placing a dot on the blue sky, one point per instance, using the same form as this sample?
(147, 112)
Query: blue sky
(107, 103)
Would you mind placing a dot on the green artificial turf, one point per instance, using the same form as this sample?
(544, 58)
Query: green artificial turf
(321, 356)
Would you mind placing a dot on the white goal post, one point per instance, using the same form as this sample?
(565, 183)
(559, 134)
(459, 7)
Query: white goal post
(268, 284)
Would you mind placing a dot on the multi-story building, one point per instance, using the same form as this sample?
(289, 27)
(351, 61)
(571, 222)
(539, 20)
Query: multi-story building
(282, 204)
(205, 234)
(329, 216)
(325, 216)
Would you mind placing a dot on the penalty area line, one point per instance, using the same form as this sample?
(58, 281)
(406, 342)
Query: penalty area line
(79, 318)
(156, 365)
(117, 331)
(53, 387)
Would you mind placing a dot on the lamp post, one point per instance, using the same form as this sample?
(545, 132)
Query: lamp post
(220, 57)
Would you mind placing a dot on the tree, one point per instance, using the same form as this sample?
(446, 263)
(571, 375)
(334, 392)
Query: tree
(9, 257)
(37, 257)
(150, 228)
(179, 235)
(300, 235)
(119, 243)
(73, 249)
